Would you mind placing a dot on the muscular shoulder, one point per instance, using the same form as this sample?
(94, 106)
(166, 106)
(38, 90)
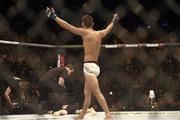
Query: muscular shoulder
(101, 33)
(91, 32)
(91, 35)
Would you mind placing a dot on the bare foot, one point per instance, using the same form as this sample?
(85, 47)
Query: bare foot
(79, 117)
(108, 117)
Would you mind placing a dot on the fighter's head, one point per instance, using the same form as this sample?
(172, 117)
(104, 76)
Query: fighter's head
(87, 21)
(69, 68)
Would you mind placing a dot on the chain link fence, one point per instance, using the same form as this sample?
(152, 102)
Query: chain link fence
(127, 74)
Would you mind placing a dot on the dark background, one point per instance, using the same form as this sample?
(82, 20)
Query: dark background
(129, 73)
(25, 20)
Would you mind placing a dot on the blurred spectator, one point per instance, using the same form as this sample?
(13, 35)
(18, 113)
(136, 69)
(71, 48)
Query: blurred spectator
(133, 72)
(20, 101)
(6, 79)
(3, 86)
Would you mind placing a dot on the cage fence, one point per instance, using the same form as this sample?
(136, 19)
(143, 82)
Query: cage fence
(128, 73)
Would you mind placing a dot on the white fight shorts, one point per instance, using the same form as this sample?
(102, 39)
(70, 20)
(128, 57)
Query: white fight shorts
(91, 68)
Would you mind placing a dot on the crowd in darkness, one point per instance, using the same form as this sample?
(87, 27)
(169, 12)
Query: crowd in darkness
(127, 74)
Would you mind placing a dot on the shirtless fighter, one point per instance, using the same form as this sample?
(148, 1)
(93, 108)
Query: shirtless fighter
(91, 43)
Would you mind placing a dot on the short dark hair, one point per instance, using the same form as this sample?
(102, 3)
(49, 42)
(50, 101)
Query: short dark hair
(70, 66)
(87, 20)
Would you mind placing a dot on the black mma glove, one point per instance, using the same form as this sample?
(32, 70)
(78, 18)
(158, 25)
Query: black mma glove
(51, 13)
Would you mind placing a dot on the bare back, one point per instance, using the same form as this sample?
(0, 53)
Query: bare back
(91, 38)
(91, 43)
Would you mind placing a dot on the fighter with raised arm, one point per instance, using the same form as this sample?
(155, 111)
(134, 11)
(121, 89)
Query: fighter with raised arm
(91, 43)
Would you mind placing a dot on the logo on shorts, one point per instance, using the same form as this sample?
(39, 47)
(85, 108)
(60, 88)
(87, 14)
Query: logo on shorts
(88, 70)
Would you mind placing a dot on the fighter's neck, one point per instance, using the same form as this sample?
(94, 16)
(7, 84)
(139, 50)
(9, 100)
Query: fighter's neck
(89, 28)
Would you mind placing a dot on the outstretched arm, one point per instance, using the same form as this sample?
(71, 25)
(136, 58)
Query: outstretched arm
(67, 26)
(51, 14)
(110, 26)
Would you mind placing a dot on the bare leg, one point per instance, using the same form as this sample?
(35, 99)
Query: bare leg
(101, 100)
(87, 101)
(91, 84)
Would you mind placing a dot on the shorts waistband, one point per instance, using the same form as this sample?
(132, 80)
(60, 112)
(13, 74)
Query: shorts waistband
(91, 62)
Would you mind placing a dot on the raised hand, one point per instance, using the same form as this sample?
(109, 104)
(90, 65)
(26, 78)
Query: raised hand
(50, 12)
(115, 18)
